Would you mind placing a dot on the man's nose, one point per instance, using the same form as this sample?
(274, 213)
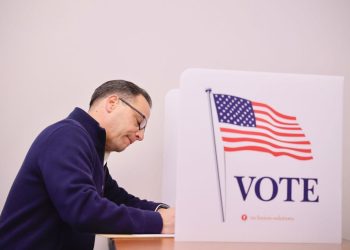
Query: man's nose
(140, 134)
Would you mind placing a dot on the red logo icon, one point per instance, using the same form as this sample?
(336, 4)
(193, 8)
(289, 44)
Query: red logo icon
(244, 217)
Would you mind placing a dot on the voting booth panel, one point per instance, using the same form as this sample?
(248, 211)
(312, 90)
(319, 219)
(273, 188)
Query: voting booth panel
(259, 157)
(171, 120)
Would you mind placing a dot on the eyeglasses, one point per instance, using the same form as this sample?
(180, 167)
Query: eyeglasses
(143, 123)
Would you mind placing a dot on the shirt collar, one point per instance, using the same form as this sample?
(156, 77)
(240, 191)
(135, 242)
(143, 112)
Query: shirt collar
(105, 159)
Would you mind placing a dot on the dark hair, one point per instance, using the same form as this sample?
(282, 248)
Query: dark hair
(123, 88)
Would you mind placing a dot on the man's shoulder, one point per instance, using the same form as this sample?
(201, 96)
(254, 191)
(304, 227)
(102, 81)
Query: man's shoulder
(66, 128)
(66, 125)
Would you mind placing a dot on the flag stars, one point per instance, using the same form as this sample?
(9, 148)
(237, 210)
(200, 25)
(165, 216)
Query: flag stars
(234, 110)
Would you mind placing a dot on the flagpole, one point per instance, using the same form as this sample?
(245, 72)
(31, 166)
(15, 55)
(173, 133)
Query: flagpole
(216, 155)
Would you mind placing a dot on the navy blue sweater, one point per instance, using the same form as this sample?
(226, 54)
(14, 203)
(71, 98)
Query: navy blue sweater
(63, 195)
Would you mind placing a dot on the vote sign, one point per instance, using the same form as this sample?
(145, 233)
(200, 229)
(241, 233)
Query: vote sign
(259, 157)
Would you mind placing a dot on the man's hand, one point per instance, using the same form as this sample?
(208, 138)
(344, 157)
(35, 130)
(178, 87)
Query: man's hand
(168, 216)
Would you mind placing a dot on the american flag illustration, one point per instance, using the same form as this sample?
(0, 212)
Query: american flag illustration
(255, 126)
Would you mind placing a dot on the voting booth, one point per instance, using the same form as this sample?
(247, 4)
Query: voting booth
(258, 156)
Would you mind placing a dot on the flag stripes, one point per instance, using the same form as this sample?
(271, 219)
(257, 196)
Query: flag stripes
(254, 126)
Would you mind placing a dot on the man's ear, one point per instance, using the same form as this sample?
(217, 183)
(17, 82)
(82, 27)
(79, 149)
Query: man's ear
(111, 103)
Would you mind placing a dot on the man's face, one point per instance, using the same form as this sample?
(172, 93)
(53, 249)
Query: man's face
(123, 123)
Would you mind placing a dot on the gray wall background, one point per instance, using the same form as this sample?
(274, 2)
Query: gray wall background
(53, 54)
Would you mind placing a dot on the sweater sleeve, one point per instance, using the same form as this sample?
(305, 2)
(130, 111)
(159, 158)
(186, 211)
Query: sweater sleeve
(66, 167)
(120, 196)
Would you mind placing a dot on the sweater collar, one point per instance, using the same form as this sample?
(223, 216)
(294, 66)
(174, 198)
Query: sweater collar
(97, 134)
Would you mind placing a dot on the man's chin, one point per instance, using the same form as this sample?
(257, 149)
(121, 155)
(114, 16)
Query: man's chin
(121, 148)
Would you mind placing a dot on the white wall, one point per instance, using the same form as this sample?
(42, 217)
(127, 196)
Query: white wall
(53, 54)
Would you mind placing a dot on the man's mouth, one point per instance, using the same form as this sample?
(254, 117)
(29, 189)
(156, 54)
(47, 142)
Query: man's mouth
(130, 140)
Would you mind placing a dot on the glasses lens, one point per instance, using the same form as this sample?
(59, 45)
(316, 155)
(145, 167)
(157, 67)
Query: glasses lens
(143, 124)
(144, 121)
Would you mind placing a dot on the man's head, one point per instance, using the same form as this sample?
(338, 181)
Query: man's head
(122, 109)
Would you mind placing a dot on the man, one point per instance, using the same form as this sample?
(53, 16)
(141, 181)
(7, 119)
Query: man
(63, 194)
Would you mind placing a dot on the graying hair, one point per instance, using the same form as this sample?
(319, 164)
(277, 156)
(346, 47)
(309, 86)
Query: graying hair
(123, 88)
